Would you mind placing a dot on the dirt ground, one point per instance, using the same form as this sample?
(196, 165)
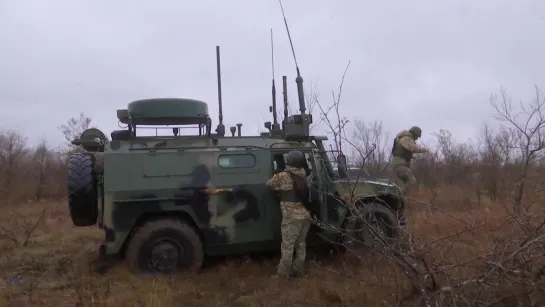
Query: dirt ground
(46, 261)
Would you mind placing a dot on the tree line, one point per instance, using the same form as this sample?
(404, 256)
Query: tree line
(37, 172)
(505, 162)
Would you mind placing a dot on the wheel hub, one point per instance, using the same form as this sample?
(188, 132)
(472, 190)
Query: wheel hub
(370, 230)
(375, 225)
(165, 256)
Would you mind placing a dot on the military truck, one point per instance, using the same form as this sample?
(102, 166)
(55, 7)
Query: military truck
(165, 202)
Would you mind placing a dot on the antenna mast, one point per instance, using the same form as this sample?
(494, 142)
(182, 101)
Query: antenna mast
(285, 93)
(299, 79)
(275, 125)
(220, 130)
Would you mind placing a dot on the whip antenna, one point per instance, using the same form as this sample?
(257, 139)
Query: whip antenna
(275, 125)
(299, 79)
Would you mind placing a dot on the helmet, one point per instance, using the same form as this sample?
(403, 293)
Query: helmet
(416, 132)
(295, 158)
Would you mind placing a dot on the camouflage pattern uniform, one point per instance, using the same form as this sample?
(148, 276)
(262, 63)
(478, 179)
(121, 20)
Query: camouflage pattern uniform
(295, 218)
(402, 152)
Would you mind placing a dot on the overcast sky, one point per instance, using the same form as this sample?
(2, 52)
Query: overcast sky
(430, 63)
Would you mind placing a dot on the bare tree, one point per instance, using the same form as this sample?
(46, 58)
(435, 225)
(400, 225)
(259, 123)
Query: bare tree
(427, 169)
(12, 150)
(494, 155)
(311, 99)
(73, 128)
(458, 158)
(526, 123)
(41, 168)
(336, 126)
(371, 138)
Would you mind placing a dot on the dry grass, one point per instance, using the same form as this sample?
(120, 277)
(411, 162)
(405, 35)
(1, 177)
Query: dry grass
(55, 265)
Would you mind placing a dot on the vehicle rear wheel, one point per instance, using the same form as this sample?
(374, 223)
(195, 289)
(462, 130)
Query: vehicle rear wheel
(82, 189)
(165, 246)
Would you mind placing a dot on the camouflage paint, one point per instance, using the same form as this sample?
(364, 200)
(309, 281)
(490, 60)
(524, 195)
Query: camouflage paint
(233, 210)
(232, 207)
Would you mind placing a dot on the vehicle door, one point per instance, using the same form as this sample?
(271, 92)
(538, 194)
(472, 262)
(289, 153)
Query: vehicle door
(319, 187)
(241, 214)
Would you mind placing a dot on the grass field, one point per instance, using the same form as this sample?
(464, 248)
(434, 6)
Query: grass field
(46, 261)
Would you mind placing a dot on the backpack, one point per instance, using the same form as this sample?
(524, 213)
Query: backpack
(302, 192)
(394, 146)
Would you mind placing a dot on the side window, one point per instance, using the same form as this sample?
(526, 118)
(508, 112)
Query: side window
(236, 161)
(308, 158)
(279, 162)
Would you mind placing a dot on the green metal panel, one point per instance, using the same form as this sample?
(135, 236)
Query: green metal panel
(164, 111)
(167, 175)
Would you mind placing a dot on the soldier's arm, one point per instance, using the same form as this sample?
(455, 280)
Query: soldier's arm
(270, 181)
(411, 146)
(215, 191)
(274, 181)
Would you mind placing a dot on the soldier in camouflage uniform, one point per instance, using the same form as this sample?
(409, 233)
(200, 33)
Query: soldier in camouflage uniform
(402, 152)
(295, 217)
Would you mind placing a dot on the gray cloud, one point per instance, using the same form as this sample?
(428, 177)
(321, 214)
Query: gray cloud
(432, 63)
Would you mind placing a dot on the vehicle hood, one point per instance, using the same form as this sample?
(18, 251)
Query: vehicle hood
(366, 187)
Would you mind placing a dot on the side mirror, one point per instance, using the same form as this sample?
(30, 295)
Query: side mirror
(341, 162)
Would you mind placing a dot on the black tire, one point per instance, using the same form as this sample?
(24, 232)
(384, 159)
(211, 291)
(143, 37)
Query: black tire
(371, 226)
(82, 190)
(175, 234)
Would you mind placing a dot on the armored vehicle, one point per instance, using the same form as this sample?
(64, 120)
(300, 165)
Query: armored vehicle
(165, 202)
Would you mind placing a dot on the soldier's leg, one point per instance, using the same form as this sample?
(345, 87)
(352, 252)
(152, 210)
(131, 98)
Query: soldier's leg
(290, 230)
(406, 177)
(301, 248)
(411, 179)
(408, 180)
(398, 180)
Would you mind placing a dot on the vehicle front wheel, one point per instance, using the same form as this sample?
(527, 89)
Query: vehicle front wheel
(371, 226)
(165, 246)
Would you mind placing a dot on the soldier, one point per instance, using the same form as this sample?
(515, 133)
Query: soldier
(295, 217)
(402, 151)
